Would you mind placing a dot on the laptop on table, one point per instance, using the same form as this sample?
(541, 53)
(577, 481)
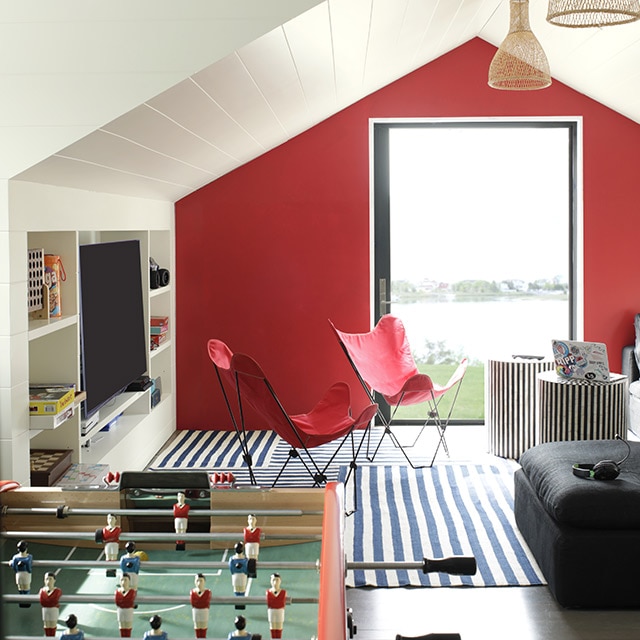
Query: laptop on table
(576, 360)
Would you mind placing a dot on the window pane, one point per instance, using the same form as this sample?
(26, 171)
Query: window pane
(479, 228)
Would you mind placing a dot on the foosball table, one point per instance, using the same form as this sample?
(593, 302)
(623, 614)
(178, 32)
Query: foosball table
(127, 559)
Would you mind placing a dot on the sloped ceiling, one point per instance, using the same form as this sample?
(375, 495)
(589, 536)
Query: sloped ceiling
(280, 82)
(69, 66)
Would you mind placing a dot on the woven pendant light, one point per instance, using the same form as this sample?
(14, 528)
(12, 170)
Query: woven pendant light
(592, 13)
(520, 64)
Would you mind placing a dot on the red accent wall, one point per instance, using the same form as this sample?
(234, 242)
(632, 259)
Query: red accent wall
(267, 253)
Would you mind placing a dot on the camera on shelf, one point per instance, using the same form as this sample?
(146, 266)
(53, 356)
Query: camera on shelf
(158, 277)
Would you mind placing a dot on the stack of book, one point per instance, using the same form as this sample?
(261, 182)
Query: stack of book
(159, 330)
(50, 404)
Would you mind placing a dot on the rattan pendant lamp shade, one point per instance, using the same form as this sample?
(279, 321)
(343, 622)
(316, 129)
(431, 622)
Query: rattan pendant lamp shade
(520, 64)
(592, 13)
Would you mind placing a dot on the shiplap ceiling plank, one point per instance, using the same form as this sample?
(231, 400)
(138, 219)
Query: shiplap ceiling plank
(142, 125)
(282, 91)
(231, 86)
(309, 38)
(65, 172)
(280, 82)
(109, 150)
(387, 19)
(350, 24)
(189, 105)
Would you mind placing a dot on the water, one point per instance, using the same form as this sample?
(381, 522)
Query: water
(487, 328)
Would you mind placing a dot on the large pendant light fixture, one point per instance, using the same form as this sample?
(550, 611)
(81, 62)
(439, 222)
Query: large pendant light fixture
(520, 64)
(592, 13)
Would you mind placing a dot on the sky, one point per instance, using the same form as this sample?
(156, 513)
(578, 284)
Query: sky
(485, 203)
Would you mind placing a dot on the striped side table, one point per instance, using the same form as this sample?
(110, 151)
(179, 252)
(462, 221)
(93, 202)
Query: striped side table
(511, 404)
(581, 409)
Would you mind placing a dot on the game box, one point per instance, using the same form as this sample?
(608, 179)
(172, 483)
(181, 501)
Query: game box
(47, 401)
(48, 465)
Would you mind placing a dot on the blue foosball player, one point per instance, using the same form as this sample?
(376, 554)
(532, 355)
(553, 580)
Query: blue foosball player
(22, 564)
(72, 632)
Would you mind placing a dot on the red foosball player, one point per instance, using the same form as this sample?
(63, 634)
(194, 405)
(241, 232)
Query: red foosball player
(252, 535)
(125, 598)
(276, 598)
(50, 603)
(200, 598)
(180, 518)
(110, 536)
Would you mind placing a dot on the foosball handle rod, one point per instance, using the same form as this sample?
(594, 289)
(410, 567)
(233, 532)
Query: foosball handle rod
(457, 566)
(432, 636)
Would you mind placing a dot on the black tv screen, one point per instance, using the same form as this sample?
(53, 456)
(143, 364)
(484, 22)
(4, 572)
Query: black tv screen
(112, 328)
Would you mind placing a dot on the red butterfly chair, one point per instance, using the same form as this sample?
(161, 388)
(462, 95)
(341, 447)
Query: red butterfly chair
(383, 363)
(329, 420)
(221, 355)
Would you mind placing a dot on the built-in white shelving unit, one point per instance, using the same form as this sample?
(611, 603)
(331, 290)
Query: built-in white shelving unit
(54, 356)
(59, 220)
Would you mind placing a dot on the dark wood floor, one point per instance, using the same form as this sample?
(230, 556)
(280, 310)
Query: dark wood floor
(479, 613)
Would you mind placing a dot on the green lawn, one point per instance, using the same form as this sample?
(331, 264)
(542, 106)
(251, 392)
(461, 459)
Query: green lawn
(470, 403)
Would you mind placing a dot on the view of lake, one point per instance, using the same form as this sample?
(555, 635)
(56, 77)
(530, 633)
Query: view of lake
(486, 328)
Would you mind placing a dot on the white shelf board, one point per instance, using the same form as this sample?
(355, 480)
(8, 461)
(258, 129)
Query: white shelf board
(39, 328)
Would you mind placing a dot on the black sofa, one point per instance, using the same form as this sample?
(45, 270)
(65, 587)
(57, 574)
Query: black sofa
(584, 533)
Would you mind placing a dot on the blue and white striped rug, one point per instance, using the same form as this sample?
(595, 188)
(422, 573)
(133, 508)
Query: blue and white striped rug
(220, 451)
(450, 509)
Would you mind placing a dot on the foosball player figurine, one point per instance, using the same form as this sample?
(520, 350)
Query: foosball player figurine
(276, 597)
(240, 625)
(155, 622)
(180, 516)
(252, 535)
(200, 598)
(50, 603)
(22, 563)
(239, 568)
(72, 632)
(110, 536)
(125, 598)
(130, 563)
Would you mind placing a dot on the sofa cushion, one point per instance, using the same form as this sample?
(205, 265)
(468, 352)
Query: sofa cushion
(580, 502)
(634, 389)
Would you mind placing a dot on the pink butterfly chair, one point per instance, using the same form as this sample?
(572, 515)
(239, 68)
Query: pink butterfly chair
(329, 420)
(382, 361)
(221, 355)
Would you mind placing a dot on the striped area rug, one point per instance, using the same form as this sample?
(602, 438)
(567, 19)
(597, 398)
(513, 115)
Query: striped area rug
(450, 509)
(214, 450)
(220, 451)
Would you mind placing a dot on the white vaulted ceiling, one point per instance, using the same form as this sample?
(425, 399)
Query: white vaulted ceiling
(230, 83)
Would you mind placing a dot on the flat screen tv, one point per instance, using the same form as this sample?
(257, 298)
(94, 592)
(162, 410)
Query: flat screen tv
(112, 327)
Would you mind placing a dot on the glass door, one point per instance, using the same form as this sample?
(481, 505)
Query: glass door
(474, 228)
